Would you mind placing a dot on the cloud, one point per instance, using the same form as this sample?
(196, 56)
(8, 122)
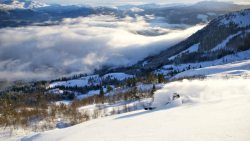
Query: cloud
(82, 45)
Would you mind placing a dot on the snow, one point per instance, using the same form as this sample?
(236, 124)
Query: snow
(90, 80)
(201, 91)
(140, 87)
(213, 109)
(118, 76)
(22, 4)
(65, 102)
(193, 48)
(224, 43)
(244, 55)
(106, 109)
(9, 134)
(55, 91)
(136, 9)
(84, 81)
(89, 94)
(148, 87)
(230, 69)
(241, 19)
(70, 83)
(173, 57)
(202, 17)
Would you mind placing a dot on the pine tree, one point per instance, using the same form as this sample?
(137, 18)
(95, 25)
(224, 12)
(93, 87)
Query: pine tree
(102, 94)
(161, 78)
(151, 78)
(109, 88)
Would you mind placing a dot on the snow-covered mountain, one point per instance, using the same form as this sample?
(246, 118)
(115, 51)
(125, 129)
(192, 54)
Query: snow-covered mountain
(25, 12)
(227, 34)
(21, 4)
(240, 19)
(223, 41)
(216, 5)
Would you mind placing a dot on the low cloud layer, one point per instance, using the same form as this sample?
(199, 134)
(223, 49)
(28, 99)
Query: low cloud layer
(81, 45)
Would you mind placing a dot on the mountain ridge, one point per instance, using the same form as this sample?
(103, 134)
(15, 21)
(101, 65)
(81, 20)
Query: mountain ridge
(35, 12)
(203, 36)
(21, 4)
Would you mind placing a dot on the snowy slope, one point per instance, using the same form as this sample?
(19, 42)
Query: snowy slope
(230, 69)
(193, 48)
(216, 110)
(91, 80)
(241, 56)
(240, 19)
(115, 91)
(224, 42)
(118, 76)
(84, 81)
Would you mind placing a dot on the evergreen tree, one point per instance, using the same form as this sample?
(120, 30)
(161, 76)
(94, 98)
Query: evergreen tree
(151, 78)
(109, 88)
(102, 94)
(161, 78)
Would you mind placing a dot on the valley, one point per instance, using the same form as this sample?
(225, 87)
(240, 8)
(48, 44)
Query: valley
(124, 72)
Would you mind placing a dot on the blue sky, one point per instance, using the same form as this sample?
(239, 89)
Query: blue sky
(122, 2)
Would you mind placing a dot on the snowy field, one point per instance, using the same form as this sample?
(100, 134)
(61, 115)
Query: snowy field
(211, 109)
(91, 80)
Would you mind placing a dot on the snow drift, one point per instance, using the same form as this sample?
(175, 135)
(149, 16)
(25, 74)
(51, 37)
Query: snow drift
(199, 91)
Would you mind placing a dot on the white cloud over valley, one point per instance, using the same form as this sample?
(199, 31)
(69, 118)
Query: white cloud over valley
(81, 45)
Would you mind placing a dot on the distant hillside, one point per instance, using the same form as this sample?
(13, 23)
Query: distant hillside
(224, 35)
(21, 4)
(14, 13)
